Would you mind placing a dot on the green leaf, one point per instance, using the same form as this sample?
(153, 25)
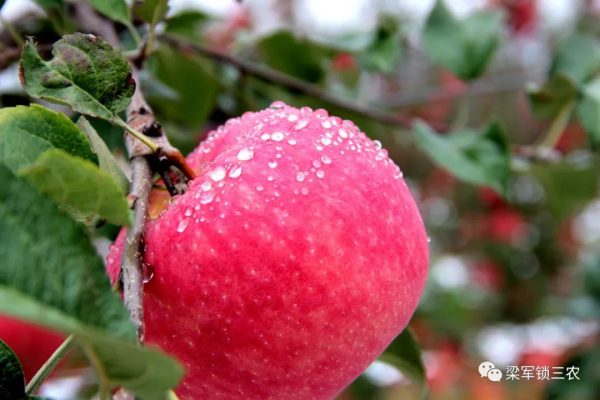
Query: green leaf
(78, 186)
(550, 99)
(299, 58)
(47, 4)
(85, 73)
(404, 353)
(25, 132)
(189, 24)
(107, 161)
(51, 275)
(116, 10)
(383, 53)
(466, 46)
(588, 111)
(12, 380)
(192, 79)
(568, 185)
(151, 11)
(477, 158)
(578, 58)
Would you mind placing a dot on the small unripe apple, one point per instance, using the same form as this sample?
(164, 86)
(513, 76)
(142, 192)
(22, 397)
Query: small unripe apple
(32, 344)
(295, 257)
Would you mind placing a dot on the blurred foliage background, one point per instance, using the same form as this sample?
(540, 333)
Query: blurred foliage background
(503, 161)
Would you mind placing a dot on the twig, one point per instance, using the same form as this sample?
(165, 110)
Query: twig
(46, 369)
(279, 78)
(557, 127)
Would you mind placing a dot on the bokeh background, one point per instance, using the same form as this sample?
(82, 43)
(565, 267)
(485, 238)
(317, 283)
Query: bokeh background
(514, 278)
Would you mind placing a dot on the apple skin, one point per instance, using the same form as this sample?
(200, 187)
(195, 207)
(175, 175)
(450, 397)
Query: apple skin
(32, 343)
(296, 256)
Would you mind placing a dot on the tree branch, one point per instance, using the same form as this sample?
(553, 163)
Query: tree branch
(270, 75)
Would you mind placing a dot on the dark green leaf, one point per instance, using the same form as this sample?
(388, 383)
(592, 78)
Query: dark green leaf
(114, 9)
(107, 161)
(578, 58)
(47, 4)
(404, 353)
(47, 256)
(25, 132)
(189, 24)
(588, 111)
(151, 11)
(383, 53)
(12, 380)
(466, 46)
(51, 274)
(550, 99)
(568, 185)
(79, 187)
(299, 58)
(192, 79)
(85, 73)
(477, 158)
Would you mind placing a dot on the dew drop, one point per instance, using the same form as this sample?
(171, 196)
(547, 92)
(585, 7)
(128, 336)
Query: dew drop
(300, 176)
(326, 160)
(277, 136)
(147, 273)
(245, 154)
(301, 124)
(259, 188)
(183, 224)
(277, 105)
(218, 174)
(326, 141)
(377, 144)
(292, 117)
(320, 174)
(316, 163)
(236, 172)
(326, 124)
(206, 186)
(304, 191)
(343, 134)
(292, 142)
(265, 136)
(188, 212)
(272, 164)
(207, 197)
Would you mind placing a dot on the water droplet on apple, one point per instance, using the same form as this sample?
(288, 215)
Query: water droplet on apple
(183, 224)
(292, 117)
(326, 160)
(277, 105)
(316, 163)
(301, 125)
(326, 124)
(304, 191)
(277, 136)
(147, 273)
(300, 176)
(207, 197)
(320, 174)
(236, 172)
(259, 188)
(245, 154)
(292, 142)
(218, 174)
(188, 212)
(326, 141)
(265, 136)
(343, 134)
(377, 144)
(272, 164)
(206, 186)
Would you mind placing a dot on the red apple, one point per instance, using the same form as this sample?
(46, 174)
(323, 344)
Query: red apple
(32, 344)
(293, 260)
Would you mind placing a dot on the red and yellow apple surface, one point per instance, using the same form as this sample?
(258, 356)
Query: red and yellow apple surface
(295, 257)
